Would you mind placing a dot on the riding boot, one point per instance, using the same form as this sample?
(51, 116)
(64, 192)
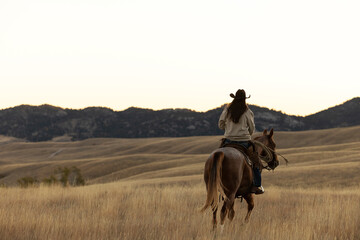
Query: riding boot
(257, 190)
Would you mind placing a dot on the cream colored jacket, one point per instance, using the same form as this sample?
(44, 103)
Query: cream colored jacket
(240, 131)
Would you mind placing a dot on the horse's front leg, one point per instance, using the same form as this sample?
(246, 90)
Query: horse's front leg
(250, 201)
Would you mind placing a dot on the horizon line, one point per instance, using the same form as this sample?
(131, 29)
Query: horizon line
(176, 108)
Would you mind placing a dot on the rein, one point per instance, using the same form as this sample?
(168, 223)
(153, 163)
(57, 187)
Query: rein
(269, 157)
(287, 161)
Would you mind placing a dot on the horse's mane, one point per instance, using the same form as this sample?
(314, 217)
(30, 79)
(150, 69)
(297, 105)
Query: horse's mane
(269, 156)
(268, 151)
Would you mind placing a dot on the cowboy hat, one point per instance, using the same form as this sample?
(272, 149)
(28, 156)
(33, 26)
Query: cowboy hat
(240, 94)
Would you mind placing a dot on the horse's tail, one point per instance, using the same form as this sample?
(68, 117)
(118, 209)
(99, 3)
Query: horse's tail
(214, 184)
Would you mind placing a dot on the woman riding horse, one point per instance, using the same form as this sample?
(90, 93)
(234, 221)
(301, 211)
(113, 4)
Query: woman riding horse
(238, 122)
(227, 173)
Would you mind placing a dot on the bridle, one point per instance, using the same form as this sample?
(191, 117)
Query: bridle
(270, 154)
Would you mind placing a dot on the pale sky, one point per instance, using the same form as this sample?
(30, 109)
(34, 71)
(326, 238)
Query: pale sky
(299, 57)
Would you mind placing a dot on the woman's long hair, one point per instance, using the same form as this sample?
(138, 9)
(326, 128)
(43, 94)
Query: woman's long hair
(236, 109)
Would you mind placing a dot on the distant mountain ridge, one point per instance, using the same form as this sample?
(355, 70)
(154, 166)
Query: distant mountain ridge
(41, 123)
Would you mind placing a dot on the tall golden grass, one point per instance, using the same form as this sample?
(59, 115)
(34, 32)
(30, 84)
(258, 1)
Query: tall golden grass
(153, 189)
(126, 211)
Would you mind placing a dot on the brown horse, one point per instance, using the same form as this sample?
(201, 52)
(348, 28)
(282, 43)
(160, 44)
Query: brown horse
(227, 171)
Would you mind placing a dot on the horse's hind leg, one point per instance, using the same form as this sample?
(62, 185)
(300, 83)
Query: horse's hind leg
(250, 201)
(228, 205)
(231, 213)
(214, 218)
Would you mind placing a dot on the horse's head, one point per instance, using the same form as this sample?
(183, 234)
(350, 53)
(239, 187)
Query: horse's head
(268, 140)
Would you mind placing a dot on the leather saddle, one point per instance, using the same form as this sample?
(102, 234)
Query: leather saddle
(250, 155)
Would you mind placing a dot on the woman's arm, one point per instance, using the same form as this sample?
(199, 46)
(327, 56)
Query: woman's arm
(222, 119)
(251, 122)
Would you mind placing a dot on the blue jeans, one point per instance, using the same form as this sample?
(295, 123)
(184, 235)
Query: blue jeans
(257, 177)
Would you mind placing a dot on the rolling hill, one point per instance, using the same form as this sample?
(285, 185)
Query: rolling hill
(43, 123)
(332, 152)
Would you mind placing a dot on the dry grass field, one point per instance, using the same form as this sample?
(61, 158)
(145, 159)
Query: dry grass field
(153, 189)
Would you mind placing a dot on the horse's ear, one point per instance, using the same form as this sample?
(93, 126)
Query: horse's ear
(271, 132)
(265, 132)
